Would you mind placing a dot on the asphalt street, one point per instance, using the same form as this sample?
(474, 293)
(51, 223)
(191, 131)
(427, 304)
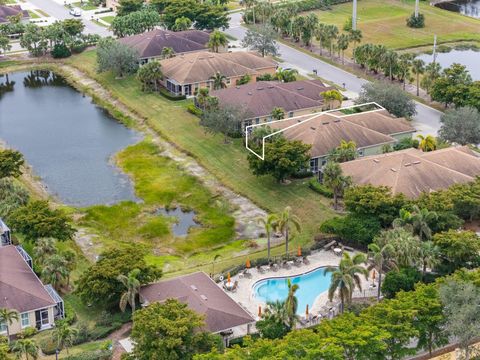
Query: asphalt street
(427, 120)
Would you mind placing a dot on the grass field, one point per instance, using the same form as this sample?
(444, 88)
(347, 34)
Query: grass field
(33, 15)
(384, 22)
(227, 162)
(86, 5)
(108, 19)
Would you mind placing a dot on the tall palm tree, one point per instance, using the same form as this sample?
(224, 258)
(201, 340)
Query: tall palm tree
(355, 38)
(334, 179)
(132, 287)
(286, 75)
(331, 34)
(430, 256)
(25, 348)
(421, 220)
(216, 40)
(405, 249)
(286, 222)
(64, 335)
(278, 113)
(342, 44)
(269, 223)
(55, 270)
(427, 143)
(44, 247)
(320, 35)
(390, 59)
(404, 66)
(381, 257)
(346, 277)
(276, 311)
(219, 81)
(418, 68)
(7, 317)
(404, 220)
(291, 304)
(251, 4)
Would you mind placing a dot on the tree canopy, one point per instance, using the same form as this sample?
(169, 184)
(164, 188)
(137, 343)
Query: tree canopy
(261, 39)
(11, 162)
(116, 57)
(461, 126)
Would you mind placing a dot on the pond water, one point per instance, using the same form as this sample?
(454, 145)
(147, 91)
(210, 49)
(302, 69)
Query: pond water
(67, 139)
(466, 7)
(184, 220)
(469, 58)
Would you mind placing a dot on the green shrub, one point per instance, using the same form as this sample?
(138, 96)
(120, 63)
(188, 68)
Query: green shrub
(192, 109)
(320, 188)
(165, 93)
(70, 315)
(101, 332)
(91, 355)
(416, 22)
(60, 51)
(404, 279)
(12, 196)
(356, 230)
(245, 79)
(265, 77)
(27, 332)
(48, 346)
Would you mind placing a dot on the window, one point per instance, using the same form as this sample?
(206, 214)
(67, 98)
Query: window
(3, 327)
(25, 320)
(290, 114)
(257, 120)
(360, 153)
(228, 81)
(44, 317)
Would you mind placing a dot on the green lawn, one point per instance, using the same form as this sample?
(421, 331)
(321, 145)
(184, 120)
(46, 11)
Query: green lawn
(384, 22)
(42, 12)
(86, 5)
(227, 162)
(108, 19)
(33, 15)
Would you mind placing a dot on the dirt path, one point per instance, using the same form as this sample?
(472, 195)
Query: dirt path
(245, 211)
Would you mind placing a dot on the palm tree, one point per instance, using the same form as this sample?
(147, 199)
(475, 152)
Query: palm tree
(346, 151)
(7, 317)
(320, 35)
(167, 53)
(346, 277)
(331, 33)
(286, 221)
(355, 37)
(380, 257)
(334, 179)
(70, 262)
(430, 256)
(276, 311)
(44, 247)
(55, 270)
(342, 44)
(25, 347)
(202, 97)
(332, 97)
(291, 304)
(132, 287)
(278, 113)
(427, 143)
(418, 68)
(251, 4)
(219, 81)
(404, 66)
(286, 75)
(390, 59)
(215, 258)
(217, 39)
(404, 220)
(270, 223)
(405, 247)
(64, 335)
(421, 220)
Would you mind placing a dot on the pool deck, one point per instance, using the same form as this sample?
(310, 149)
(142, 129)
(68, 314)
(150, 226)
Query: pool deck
(244, 295)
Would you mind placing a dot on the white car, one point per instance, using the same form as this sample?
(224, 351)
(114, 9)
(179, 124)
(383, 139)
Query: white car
(76, 11)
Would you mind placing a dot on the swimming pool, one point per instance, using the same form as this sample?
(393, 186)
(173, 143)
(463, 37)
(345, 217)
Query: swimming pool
(310, 285)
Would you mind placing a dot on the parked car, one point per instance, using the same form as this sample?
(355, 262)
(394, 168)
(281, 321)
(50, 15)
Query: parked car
(76, 11)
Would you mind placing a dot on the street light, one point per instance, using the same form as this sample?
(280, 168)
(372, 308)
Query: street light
(56, 354)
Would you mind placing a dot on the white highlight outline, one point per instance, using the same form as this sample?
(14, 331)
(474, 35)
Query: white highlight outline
(315, 115)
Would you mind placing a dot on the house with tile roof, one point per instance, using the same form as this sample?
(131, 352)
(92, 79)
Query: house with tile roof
(12, 10)
(186, 73)
(370, 131)
(412, 172)
(259, 99)
(149, 45)
(204, 296)
(37, 305)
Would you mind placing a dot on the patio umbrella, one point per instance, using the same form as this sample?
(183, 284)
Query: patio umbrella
(306, 311)
(228, 278)
(299, 251)
(248, 264)
(373, 275)
(259, 310)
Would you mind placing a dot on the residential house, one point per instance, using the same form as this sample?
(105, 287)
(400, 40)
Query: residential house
(149, 45)
(412, 171)
(259, 99)
(186, 73)
(202, 295)
(12, 10)
(370, 131)
(38, 305)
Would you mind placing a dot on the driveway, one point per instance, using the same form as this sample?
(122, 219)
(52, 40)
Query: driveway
(427, 120)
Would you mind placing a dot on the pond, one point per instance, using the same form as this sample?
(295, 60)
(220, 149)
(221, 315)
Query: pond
(65, 137)
(183, 220)
(469, 58)
(469, 8)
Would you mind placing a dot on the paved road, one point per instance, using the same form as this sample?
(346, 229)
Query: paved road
(427, 121)
(59, 12)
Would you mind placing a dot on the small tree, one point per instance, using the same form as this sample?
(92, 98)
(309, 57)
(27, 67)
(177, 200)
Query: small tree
(334, 179)
(150, 75)
(132, 288)
(7, 317)
(64, 335)
(286, 75)
(278, 113)
(418, 68)
(219, 81)
(346, 151)
(167, 53)
(4, 44)
(342, 44)
(461, 126)
(390, 96)
(217, 39)
(25, 347)
(270, 224)
(331, 97)
(116, 57)
(261, 39)
(287, 221)
(128, 6)
(181, 24)
(427, 143)
(55, 270)
(416, 22)
(225, 120)
(11, 162)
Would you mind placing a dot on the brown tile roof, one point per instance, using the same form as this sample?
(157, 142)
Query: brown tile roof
(201, 66)
(412, 171)
(203, 296)
(12, 10)
(151, 43)
(381, 121)
(325, 132)
(20, 288)
(260, 98)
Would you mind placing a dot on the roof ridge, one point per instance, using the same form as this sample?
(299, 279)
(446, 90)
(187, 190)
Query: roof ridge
(29, 294)
(444, 167)
(296, 93)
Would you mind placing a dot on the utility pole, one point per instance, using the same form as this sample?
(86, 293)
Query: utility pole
(354, 15)
(417, 4)
(434, 48)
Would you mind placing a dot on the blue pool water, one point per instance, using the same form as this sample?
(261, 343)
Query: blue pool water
(310, 285)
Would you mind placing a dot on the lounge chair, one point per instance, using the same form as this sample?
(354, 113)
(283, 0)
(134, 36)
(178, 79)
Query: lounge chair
(260, 270)
(235, 286)
(305, 260)
(286, 265)
(275, 267)
(298, 262)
